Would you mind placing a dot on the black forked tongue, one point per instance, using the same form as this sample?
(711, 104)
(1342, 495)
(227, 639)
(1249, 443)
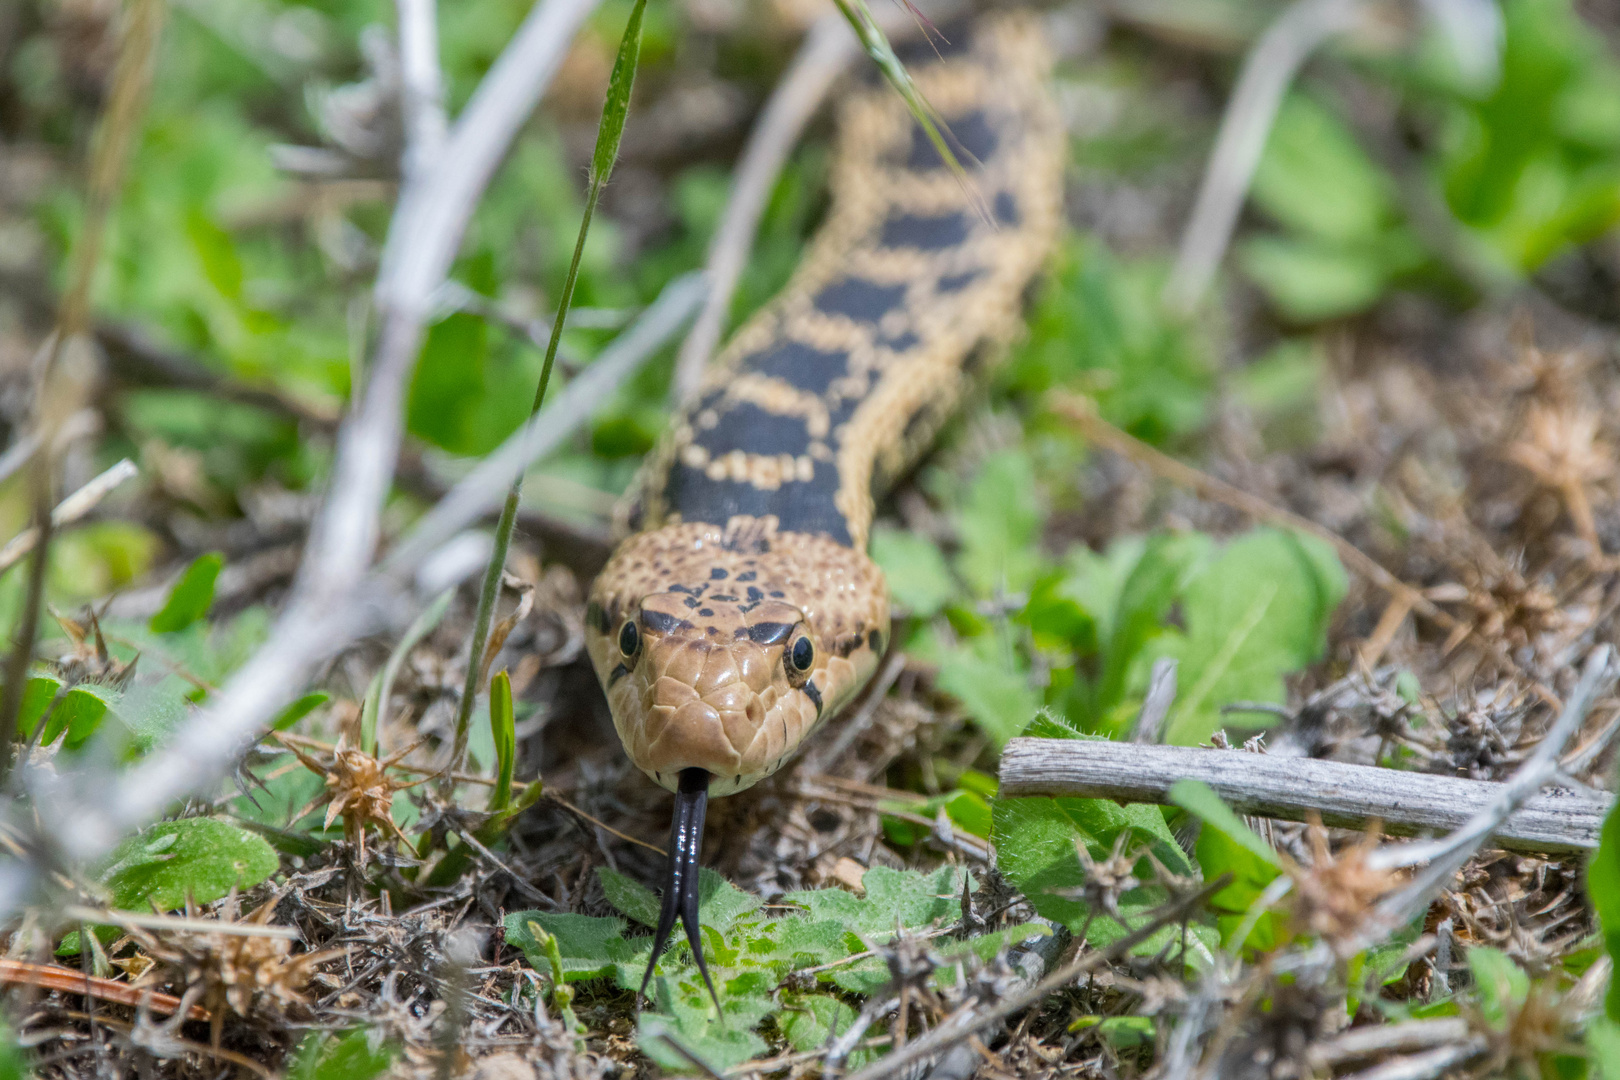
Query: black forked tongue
(681, 884)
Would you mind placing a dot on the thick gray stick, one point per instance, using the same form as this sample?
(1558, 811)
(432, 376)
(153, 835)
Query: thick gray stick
(1349, 796)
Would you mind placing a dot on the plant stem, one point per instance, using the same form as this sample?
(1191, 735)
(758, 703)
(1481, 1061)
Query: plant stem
(614, 111)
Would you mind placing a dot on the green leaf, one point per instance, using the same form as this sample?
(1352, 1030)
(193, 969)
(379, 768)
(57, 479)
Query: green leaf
(616, 106)
(359, 1054)
(589, 946)
(1100, 326)
(905, 896)
(1310, 281)
(629, 896)
(1502, 985)
(79, 713)
(1199, 799)
(807, 1022)
(993, 686)
(1603, 889)
(720, 903)
(191, 596)
(1315, 178)
(1228, 846)
(999, 523)
(1035, 847)
(1603, 1043)
(1256, 612)
(504, 729)
(201, 859)
(299, 709)
(918, 577)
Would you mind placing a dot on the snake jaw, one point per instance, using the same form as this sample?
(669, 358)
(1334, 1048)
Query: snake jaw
(682, 880)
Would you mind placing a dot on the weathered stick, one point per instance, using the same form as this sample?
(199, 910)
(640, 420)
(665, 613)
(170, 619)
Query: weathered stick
(1349, 796)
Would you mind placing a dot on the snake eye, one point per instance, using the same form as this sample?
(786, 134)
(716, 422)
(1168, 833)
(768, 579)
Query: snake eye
(803, 654)
(629, 639)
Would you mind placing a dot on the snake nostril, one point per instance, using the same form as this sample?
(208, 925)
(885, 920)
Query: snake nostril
(755, 711)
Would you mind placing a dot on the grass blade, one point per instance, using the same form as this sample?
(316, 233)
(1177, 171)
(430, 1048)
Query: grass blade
(609, 133)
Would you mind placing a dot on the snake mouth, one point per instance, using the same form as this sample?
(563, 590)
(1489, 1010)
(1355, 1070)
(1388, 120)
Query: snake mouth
(681, 881)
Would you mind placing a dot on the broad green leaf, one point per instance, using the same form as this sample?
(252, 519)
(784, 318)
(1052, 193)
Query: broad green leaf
(999, 523)
(1227, 846)
(1311, 280)
(628, 895)
(191, 596)
(720, 903)
(919, 580)
(993, 686)
(200, 859)
(1256, 612)
(905, 896)
(1603, 889)
(1315, 178)
(809, 1020)
(587, 944)
(1035, 847)
(1166, 564)
(360, 1054)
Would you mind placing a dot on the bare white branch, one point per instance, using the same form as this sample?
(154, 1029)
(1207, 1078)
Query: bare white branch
(69, 510)
(1267, 72)
(422, 85)
(333, 599)
(482, 490)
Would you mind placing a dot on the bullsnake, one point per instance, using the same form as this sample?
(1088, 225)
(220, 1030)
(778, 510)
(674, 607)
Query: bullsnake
(742, 611)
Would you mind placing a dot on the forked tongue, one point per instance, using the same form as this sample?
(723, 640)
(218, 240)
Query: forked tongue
(681, 885)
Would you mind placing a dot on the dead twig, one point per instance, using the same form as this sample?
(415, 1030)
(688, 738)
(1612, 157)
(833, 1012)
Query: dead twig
(69, 510)
(68, 981)
(1290, 788)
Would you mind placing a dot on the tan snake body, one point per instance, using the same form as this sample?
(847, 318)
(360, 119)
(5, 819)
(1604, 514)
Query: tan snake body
(743, 611)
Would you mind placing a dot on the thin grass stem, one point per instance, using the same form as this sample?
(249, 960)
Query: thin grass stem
(615, 110)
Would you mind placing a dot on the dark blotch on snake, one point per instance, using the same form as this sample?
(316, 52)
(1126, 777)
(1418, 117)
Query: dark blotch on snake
(666, 624)
(925, 232)
(860, 300)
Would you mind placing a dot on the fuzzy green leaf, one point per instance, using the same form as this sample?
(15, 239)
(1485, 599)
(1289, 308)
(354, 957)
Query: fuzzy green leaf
(200, 859)
(1603, 889)
(589, 946)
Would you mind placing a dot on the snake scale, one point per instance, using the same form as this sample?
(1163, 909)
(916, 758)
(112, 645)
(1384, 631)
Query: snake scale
(742, 610)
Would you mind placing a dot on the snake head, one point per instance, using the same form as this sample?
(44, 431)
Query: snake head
(727, 660)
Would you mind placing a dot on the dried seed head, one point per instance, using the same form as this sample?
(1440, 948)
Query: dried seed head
(1335, 893)
(358, 789)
